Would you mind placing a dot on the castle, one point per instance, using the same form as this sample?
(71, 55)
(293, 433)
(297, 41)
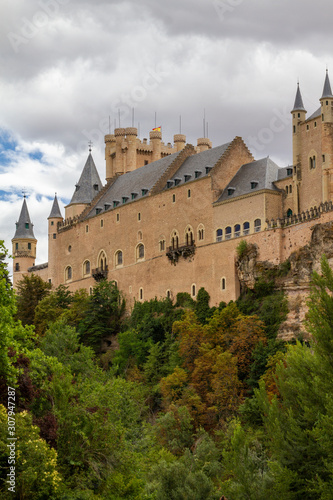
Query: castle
(170, 217)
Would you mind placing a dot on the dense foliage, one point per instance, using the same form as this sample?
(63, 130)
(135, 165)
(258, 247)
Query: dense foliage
(176, 401)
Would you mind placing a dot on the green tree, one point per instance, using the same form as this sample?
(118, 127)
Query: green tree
(30, 291)
(202, 309)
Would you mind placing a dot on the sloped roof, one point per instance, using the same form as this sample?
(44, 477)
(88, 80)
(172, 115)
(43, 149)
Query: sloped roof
(24, 227)
(327, 91)
(283, 172)
(55, 210)
(316, 114)
(85, 190)
(264, 172)
(144, 177)
(199, 162)
(298, 104)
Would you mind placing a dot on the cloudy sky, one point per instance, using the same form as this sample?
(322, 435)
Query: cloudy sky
(69, 68)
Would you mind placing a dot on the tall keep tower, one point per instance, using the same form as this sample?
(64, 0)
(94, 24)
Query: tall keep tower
(298, 118)
(24, 245)
(53, 219)
(326, 103)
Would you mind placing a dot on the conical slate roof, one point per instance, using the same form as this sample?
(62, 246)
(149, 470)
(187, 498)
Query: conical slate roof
(24, 227)
(327, 91)
(298, 105)
(89, 183)
(55, 210)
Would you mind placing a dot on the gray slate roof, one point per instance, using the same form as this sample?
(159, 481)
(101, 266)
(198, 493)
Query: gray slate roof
(85, 190)
(199, 162)
(55, 210)
(298, 105)
(263, 171)
(283, 172)
(327, 91)
(316, 114)
(144, 177)
(24, 227)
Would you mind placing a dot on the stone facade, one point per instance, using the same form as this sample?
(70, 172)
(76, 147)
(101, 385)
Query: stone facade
(170, 217)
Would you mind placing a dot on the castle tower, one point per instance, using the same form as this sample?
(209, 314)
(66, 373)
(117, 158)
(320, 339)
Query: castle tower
(85, 190)
(180, 141)
(298, 117)
(203, 144)
(53, 219)
(131, 137)
(326, 102)
(155, 137)
(120, 138)
(24, 245)
(110, 149)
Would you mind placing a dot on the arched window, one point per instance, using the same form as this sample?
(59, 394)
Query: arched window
(257, 225)
(246, 228)
(141, 294)
(237, 230)
(290, 189)
(119, 258)
(175, 240)
(139, 235)
(17, 266)
(287, 189)
(168, 294)
(140, 252)
(201, 232)
(219, 234)
(223, 284)
(193, 290)
(228, 233)
(86, 267)
(289, 212)
(162, 244)
(102, 264)
(189, 236)
(68, 273)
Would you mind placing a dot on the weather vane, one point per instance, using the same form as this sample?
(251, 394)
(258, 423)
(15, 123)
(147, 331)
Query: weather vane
(24, 191)
(90, 146)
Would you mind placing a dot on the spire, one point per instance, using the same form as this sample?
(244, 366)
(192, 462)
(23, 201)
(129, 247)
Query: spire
(89, 183)
(298, 105)
(24, 227)
(55, 210)
(327, 91)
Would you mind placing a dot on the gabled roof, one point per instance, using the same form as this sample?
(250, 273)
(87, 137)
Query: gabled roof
(89, 183)
(143, 178)
(327, 91)
(298, 104)
(261, 173)
(24, 227)
(199, 162)
(55, 210)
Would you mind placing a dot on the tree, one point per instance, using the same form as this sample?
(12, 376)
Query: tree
(30, 291)
(202, 309)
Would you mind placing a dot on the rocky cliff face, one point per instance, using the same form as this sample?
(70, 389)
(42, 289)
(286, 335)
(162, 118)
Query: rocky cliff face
(295, 282)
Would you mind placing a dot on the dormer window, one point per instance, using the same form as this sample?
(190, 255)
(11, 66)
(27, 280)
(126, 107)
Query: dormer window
(77, 187)
(187, 177)
(197, 173)
(144, 191)
(231, 191)
(169, 184)
(27, 225)
(95, 187)
(107, 206)
(208, 169)
(124, 199)
(254, 184)
(289, 171)
(115, 203)
(177, 180)
(98, 210)
(134, 195)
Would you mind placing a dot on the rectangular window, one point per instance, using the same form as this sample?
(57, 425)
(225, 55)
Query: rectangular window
(52, 222)
(139, 216)
(29, 246)
(87, 229)
(118, 217)
(54, 236)
(189, 193)
(102, 223)
(323, 158)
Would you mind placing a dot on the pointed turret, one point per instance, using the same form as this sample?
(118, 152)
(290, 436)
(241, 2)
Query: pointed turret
(299, 115)
(327, 91)
(298, 104)
(85, 190)
(24, 245)
(55, 210)
(326, 101)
